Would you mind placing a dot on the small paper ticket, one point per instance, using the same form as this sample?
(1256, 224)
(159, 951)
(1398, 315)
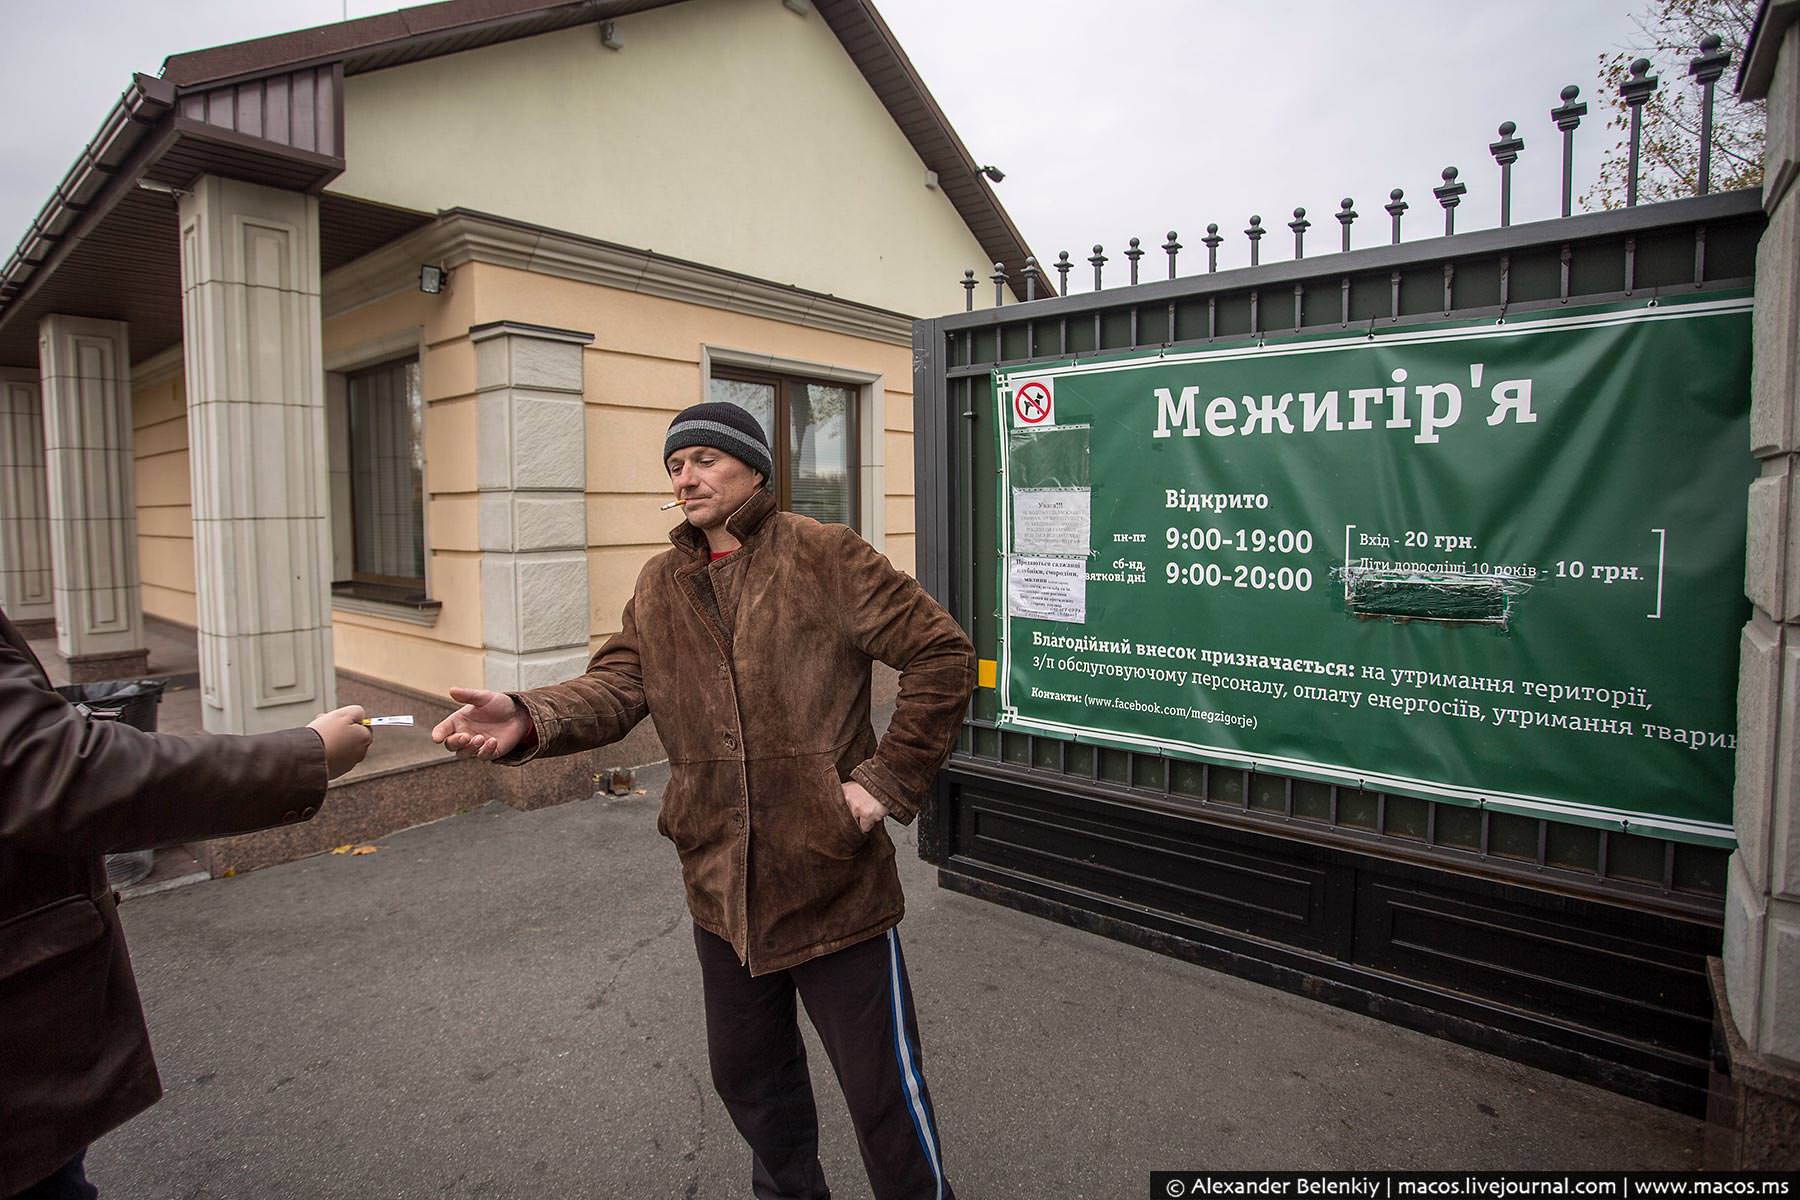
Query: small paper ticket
(374, 721)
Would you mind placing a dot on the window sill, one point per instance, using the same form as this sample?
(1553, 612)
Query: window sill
(384, 602)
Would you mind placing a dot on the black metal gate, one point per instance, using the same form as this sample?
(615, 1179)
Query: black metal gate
(1575, 949)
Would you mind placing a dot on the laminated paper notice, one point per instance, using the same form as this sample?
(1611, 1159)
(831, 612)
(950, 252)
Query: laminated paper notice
(1047, 589)
(1050, 520)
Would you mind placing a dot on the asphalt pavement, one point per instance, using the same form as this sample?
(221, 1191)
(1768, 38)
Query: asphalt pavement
(506, 1004)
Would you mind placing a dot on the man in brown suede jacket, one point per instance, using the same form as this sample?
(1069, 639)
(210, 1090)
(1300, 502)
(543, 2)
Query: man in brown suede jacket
(749, 644)
(74, 1053)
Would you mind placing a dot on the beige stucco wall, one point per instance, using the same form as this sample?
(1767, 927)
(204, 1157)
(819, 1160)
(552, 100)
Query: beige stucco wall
(735, 134)
(165, 516)
(643, 366)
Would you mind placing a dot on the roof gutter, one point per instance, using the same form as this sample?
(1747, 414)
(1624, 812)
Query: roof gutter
(143, 106)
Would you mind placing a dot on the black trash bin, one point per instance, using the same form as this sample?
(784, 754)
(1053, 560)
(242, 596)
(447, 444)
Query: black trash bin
(133, 702)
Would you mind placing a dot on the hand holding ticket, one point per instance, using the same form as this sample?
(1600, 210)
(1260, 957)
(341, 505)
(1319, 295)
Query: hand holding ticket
(372, 722)
(346, 739)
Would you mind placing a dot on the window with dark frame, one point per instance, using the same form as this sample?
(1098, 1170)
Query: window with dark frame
(812, 428)
(387, 493)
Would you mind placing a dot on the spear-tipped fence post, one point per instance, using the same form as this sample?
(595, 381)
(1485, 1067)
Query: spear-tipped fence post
(1212, 241)
(1396, 208)
(999, 278)
(1299, 225)
(1707, 68)
(1450, 194)
(1031, 277)
(1063, 266)
(1097, 260)
(1567, 116)
(1171, 248)
(1346, 213)
(968, 282)
(1506, 153)
(1636, 90)
(1255, 234)
(1136, 252)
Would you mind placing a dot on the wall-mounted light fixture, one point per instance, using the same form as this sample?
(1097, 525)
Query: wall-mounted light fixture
(994, 173)
(931, 180)
(609, 36)
(433, 278)
(797, 6)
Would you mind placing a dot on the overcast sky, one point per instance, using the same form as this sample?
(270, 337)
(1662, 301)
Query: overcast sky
(1110, 120)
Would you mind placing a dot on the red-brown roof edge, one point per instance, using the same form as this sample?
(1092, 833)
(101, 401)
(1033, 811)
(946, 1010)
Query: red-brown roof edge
(1004, 244)
(341, 39)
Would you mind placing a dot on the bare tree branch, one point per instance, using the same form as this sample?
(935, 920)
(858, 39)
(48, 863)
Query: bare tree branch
(1669, 34)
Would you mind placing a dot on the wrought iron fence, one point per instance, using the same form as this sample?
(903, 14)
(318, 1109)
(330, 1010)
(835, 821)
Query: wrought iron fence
(1705, 69)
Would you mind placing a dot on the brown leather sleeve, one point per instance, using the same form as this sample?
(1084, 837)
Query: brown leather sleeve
(893, 619)
(70, 786)
(593, 709)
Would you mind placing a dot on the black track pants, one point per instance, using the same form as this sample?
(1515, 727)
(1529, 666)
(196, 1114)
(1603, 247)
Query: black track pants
(861, 1004)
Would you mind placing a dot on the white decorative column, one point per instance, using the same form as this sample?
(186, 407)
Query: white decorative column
(256, 439)
(25, 575)
(531, 467)
(86, 372)
(1754, 1114)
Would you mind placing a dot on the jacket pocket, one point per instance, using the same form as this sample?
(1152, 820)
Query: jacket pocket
(843, 829)
(72, 1041)
(49, 932)
(674, 803)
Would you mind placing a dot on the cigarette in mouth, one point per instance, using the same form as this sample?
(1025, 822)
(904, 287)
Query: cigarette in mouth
(672, 504)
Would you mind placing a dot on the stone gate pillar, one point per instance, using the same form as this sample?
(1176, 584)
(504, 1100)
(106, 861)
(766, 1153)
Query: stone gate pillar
(25, 575)
(1754, 1113)
(86, 371)
(256, 435)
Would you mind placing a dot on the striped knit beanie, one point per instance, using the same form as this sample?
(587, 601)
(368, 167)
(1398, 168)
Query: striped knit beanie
(723, 427)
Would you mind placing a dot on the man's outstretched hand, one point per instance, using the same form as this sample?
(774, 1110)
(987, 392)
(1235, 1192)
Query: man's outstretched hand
(488, 725)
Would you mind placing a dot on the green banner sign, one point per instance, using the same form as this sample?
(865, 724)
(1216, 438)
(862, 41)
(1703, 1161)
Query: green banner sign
(1495, 564)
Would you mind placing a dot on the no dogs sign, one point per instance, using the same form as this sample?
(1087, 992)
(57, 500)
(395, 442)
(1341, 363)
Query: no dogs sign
(1034, 403)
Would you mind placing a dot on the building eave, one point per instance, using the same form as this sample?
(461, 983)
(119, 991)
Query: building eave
(461, 236)
(78, 199)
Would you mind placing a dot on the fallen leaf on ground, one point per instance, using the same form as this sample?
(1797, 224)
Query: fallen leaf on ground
(230, 871)
(365, 850)
(642, 792)
(343, 849)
